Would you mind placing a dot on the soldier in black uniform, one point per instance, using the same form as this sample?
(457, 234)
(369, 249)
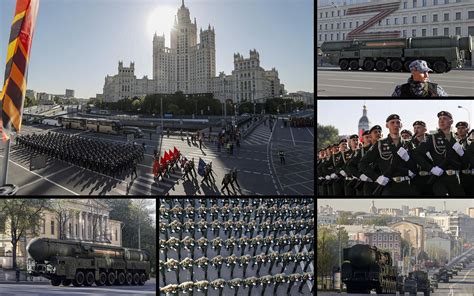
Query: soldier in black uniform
(406, 134)
(352, 163)
(375, 133)
(347, 157)
(394, 161)
(338, 174)
(470, 156)
(465, 175)
(420, 181)
(447, 157)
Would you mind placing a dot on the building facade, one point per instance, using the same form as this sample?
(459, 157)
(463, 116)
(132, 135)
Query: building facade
(189, 66)
(82, 220)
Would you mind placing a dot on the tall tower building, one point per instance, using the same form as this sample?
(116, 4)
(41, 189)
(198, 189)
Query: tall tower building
(363, 122)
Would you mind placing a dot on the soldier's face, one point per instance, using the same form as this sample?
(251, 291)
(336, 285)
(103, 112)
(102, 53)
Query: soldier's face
(405, 136)
(343, 146)
(419, 76)
(462, 131)
(419, 130)
(366, 139)
(394, 126)
(376, 135)
(353, 143)
(444, 122)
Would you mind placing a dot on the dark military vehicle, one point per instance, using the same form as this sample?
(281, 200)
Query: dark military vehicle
(82, 263)
(442, 53)
(422, 282)
(366, 268)
(443, 275)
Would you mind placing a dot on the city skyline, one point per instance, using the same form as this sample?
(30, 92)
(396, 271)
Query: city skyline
(92, 36)
(356, 205)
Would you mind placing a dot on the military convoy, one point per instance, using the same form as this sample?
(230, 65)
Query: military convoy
(84, 264)
(442, 53)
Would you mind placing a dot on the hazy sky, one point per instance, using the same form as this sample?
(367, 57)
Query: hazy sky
(345, 114)
(353, 204)
(78, 42)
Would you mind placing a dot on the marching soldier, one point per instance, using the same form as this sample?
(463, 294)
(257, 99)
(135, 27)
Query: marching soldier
(420, 181)
(202, 244)
(279, 279)
(307, 276)
(233, 178)
(274, 257)
(202, 286)
(465, 176)
(259, 260)
(265, 281)
(345, 172)
(394, 161)
(218, 284)
(203, 263)
(230, 244)
(217, 245)
(231, 261)
(226, 182)
(173, 265)
(338, 183)
(351, 165)
(447, 158)
(235, 284)
(250, 283)
(217, 263)
(170, 289)
(281, 153)
(244, 262)
(188, 244)
(162, 267)
(186, 264)
(292, 279)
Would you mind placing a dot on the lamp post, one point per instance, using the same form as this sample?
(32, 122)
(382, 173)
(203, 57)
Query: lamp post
(468, 115)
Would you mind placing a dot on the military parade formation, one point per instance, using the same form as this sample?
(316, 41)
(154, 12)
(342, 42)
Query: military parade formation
(228, 245)
(403, 163)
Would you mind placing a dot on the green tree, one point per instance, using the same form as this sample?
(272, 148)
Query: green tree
(383, 220)
(345, 218)
(327, 135)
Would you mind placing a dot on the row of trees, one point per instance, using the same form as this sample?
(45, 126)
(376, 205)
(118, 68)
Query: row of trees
(197, 104)
(24, 217)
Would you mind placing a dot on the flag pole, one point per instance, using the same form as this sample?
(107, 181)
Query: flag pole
(3, 179)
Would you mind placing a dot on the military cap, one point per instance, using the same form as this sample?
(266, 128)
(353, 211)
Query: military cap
(335, 145)
(419, 122)
(420, 66)
(354, 137)
(365, 133)
(462, 123)
(406, 132)
(392, 116)
(201, 285)
(374, 128)
(342, 140)
(445, 113)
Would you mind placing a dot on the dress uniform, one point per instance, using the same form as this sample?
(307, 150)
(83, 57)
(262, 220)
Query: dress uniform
(201, 285)
(187, 264)
(265, 281)
(235, 284)
(244, 262)
(250, 283)
(202, 243)
(217, 263)
(420, 181)
(218, 284)
(203, 263)
(394, 162)
(346, 157)
(352, 169)
(447, 159)
(369, 184)
(465, 175)
(338, 178)
(170, 289)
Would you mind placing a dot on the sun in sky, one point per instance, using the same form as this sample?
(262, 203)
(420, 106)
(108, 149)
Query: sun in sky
(161, 20)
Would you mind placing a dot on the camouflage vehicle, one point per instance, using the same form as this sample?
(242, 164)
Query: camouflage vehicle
(422, 282)
(80, 263)
(442, 53)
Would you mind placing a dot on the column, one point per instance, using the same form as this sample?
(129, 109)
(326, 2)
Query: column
(86, 226)
(106, 220)
(101, 228)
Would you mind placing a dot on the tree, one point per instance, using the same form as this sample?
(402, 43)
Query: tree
(23, 215)
(436, 253)
(96, 209)
(63, 215)
(345, 218)
(327, 135)
(383, 220)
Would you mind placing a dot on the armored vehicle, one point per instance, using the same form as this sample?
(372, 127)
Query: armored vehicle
(422, 282)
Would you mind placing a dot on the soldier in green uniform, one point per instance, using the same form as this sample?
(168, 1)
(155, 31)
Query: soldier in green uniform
(394, 161)
(462, 128)
(447, 157)
(328, 168)
(352, 164)
(320, 162)
(420, 181)
(470, 155)
(406, 134)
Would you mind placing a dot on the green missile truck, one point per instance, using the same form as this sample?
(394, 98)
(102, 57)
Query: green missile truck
(442, 53)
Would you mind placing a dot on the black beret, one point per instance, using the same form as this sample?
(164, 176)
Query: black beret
(342, 140)
(354, 137)
(393, 116)
(335, 146)
(374, 128)
(462, 123)
(365, 133)
(419, 122)
(445, 113)
(406, 132)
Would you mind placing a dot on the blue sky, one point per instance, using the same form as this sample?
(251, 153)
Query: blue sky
(345, 114)
(78, 42)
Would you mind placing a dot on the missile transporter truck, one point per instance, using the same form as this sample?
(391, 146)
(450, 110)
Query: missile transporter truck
(366, 268)
(442, 53)
(84, 264)
(422, 283)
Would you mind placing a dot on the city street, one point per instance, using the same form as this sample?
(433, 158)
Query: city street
(46, 290)
(331, 81)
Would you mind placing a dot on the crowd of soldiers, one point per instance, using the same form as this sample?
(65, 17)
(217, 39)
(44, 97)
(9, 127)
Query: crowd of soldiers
(403, 163)
(302, 121)
(110, 158)
(273, 233)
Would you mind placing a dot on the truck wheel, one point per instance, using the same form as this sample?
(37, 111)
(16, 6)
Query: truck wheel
(369, 65)
(344, 64)
(89, 279)
(110, 279)
(440, 67)
(354, 64)
(102, 279)
(79, 279)
(406, 66)
(66, 283)
(396, 66)
(380, 65)
(142, 279)
(129, 278)
(55, 282)
(121, 278)
(136, 278)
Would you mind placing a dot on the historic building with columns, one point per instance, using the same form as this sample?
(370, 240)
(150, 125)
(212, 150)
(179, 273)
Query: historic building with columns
(84, 220)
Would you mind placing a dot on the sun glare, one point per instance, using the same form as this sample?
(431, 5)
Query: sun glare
(161, 20)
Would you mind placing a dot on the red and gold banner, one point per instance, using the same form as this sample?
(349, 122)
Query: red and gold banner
(19, 47)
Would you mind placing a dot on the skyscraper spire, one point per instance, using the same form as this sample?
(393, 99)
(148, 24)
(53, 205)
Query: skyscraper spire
(182, 3)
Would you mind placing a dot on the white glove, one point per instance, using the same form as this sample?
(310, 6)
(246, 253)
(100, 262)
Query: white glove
(382, 180)
(343, 173)
(403, 154)
(458, 149)
(328, 178)
(334, 176)
(411, 174)
(365, 178)
(437, 171)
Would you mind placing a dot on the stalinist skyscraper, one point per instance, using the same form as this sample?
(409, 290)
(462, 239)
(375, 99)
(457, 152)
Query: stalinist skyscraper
(186, 65)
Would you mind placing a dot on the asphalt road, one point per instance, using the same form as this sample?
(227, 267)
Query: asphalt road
(331, 81)
(47, 290)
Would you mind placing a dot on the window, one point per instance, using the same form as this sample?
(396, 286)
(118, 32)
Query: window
(320, 27)
(413, 19)
(344, 12)
(405, 5)
(404, 33)
(446, 17)
(343, 36)
(325, 37)
(338, 25)
(423, 18)
(326, 14)
(390, 237)
(380, 23)
(337, 36)
(357, 24)
(435, 17)
(435, 2)
(390, 245)
(52, 227)
(387, 21)
(332, 13)
(404, 19)
(344, 25)
(350, 25)
(414, 3)
(375, 238)
(458, 30)
(470, 15)
(338, 13)
(326, 26)
(43, 226)
(458, 16)
(435, 31)
(446, 31)
(446, 1)
(423, 3)
(76, 229)
(413, 33)
(385, 237)
(320, 15)
(332, 26)
(423, 32)
(116, 234)
(320, 37)
(331, 36)
(395, 21)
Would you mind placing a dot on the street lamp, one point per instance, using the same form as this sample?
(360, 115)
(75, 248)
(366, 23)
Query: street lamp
(468, 115)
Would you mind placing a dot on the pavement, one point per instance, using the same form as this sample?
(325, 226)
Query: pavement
(331, 81)
(47, 290)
